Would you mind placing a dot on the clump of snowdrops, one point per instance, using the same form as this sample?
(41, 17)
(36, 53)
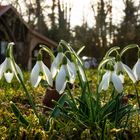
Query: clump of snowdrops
(84, 115)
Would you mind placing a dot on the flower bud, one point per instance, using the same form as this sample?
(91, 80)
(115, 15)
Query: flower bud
(8, 51)
(118, 58)
(64, 62)
(60, 48)
(110, 67)
(39, 57)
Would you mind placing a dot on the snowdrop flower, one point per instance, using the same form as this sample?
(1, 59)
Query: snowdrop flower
(40, 71)
(61, 80)
(121, 67)
(67, 73)
(56, 64)
(136, 70)
(8, 70)
(110, 76)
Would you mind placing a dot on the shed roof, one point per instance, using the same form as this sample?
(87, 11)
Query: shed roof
(4, 8)
(49, 42)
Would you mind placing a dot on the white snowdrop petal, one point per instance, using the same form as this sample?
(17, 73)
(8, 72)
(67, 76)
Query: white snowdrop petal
(47, 73)
(118, 67)
(104, 84)
(55, 64)
(54, 69)
(121, 76)
(3, 68)
(72, 72)
(37, 81)
(136, 70)
(130, 73)
(61, 90)
(117, 82)
(106, 80)
(34, 78)
(60, 82)
(10, 66)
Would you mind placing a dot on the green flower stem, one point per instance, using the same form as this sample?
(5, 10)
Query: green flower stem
(28, 95)
(84, 86)
(24, 87)
(30, 99)
(97, 98)
(49, 51)
(125, 125)
(103, 129)
(137, 94)
(117, 108)
(91, 108)
(88, 100)
(69, 92)
(138, 123)
(80, 80)
(110, 51)
(83, 83)
(125, 49)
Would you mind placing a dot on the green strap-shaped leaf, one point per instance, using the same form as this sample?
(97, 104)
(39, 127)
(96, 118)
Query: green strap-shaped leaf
(61, 101)
(56, 111)
(80, 50)
(18, 114)
(67, 46)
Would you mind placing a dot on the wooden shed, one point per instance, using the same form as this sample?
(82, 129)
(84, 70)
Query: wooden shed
(14, 29)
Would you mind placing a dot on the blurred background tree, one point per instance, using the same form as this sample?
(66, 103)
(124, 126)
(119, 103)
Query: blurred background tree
(53, 19)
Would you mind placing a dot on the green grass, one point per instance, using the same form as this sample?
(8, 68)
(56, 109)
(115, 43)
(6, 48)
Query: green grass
(12, 128)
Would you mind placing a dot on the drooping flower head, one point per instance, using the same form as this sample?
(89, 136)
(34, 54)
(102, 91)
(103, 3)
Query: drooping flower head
(67, 73)
(110, 76)
(40, 71)
(120, 67)
(57, 61)
(9, 68)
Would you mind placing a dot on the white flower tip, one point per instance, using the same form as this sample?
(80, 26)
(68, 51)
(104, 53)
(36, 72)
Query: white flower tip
(50, 82)
(35, 82)
(11, 43)
(8, 76)
(60, 91)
